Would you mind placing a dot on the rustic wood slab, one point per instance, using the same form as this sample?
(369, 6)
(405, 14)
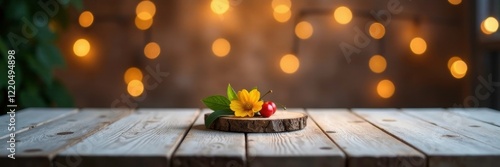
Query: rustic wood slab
(147, 137)
(482, 114)
(38, 146)
(206, 147)
(307, 147)
(465, 126)
(442, 147)
(281, 121)
(364, 144)
(32, 117)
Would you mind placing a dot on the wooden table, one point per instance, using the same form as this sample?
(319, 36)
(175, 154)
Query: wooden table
(177, 137)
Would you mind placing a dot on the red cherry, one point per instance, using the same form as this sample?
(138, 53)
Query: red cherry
(268, 109)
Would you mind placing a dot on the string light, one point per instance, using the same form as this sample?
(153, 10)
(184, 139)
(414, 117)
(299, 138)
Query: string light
(81, 47)
(135, 88)
(219, 6)
(455, 2)
(343, 15)
(143, 24)
(281, 10)
(86, 19)
(152, 50)
(377, 30)
(145, 10)
(132, 73)
(304, 30)
(377, 64)
(489, 25)
(282, 17)
(458, 67)
(289, 63)
(385, 88)
(221, 47)
(275, 3)
(418, 45)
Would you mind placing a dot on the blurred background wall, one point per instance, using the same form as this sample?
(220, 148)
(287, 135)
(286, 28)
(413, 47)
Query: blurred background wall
(330, 67)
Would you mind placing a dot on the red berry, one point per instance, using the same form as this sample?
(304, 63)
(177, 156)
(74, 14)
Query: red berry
(268, 109)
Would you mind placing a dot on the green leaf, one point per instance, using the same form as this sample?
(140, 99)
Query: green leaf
(58, 95)
(49, 56)
(217, 102)
(231, 94)
(216, 114)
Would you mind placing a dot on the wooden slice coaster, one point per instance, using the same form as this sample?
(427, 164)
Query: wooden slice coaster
(281, 121)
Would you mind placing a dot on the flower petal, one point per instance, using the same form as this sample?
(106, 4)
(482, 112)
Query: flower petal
(243, 96)
(257, 106)
(254, 95)
(236, 106)
(240, 113)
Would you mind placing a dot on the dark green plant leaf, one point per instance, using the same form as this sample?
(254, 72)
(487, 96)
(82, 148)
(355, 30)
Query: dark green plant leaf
(43, 73)
(231, 94)
(216, 114)
(59, 95)
(217, 102)
(78, 4)
(49, 56)
(30, 97)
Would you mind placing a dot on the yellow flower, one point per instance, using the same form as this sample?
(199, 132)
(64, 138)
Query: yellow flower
(247, 104)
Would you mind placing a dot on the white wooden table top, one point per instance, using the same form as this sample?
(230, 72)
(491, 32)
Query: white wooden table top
(434, 137)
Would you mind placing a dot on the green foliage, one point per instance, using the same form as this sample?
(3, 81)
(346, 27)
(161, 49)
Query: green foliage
(217, 102)
(25, 31)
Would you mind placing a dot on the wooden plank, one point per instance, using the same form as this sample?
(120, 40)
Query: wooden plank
(307, 147)
(147, 137)
(482, 114)
(442, 147)
(465, 126)
(32, 117)
(205, 147)
(38, 146)
(364, 144)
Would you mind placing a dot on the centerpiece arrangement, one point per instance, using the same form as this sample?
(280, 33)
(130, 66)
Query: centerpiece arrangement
(246, 111)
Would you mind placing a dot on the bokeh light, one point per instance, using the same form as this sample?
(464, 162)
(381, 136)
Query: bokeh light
(132, 73)
(418, 45)
(489, 25)
(377, 64)
(342, 15)
(219, 6)
(282, 17)
(221, 47)
(289, 63)
(81, 47)
(458, 69)
(135, 88)
(455, 2)
(145, 10)
(385, 88)
(275, 3)
(377, 30)
(304, 30)
(452, 60)
(86, 19)
(152, 50)
(143, 24)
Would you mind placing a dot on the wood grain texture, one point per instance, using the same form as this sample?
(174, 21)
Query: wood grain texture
(206, 147)
(32, 117)
(307, 147)
(281, 121)
(480, 131)
(442, 147)
(482, 114)
(147, 137)
(364, 144)
(38, 146)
